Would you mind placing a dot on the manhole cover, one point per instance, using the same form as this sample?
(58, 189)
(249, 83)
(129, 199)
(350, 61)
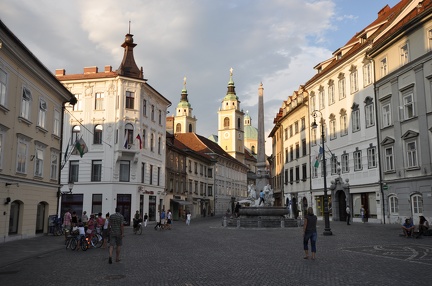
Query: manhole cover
(115, 277)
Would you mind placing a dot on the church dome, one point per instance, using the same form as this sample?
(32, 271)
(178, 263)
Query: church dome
(250, 132)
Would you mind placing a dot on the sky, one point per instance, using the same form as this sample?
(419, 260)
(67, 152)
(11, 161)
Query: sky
(276, 42)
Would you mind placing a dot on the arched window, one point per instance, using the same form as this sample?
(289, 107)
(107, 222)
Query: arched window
(129, 139)
(178, 127)
(144, 140)
(393, 205)
(151, 143)
(97, 134)
(238, 123)
(76, 130)
(159, 145)
(226, 122)
(190, 128)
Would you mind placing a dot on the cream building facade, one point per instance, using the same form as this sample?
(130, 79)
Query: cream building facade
(31, 108)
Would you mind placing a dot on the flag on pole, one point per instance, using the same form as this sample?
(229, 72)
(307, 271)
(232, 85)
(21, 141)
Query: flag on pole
(318, 158)
(139, 139)
(80, 148)
(125, 144)
(67, 151)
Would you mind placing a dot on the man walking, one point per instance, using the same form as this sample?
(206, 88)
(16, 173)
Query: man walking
(348, 214)
(116, 227)
(262, 200)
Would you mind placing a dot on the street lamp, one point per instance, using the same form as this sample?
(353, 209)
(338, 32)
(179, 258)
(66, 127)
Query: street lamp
(315, 113)
(70, 185)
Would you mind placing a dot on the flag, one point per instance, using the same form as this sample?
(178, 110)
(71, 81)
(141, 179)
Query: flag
(66, 152)
(125, 144)
(318, 158)
(80, 148)
(139, 139)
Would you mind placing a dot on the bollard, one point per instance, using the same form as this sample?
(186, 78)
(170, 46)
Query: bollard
(238, 222)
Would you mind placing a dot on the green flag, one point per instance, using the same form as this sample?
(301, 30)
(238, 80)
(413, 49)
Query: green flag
(80, 148)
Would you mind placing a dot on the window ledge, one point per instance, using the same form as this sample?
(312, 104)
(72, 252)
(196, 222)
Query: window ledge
(41, 129)
(4, 109)
(55, 136)
(412, 168)
(24, 120)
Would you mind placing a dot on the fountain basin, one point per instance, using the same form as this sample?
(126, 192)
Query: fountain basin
(263, 211)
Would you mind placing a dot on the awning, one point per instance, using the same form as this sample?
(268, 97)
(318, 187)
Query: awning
(181, 202)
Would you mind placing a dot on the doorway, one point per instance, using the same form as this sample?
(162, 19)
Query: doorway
(124, 204)
(40, 217)
(342, 205)
(14, 217)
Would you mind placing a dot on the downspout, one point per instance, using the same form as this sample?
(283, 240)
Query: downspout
(378, 147)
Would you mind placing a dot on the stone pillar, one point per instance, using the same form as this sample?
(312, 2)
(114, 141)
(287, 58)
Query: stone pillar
(262, 179)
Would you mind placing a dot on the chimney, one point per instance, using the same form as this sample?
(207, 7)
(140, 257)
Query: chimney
(60, 72)
(108, 68)
(88, 70)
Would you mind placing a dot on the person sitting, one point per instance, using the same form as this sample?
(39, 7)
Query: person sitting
(408, 228)
(423, 226)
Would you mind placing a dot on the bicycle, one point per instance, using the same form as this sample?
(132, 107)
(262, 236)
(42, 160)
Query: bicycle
(138, 229)
(97, 238)
(71, 242)
(160, 226)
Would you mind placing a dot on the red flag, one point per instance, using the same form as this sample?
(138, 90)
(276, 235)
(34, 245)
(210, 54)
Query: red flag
(139, 139)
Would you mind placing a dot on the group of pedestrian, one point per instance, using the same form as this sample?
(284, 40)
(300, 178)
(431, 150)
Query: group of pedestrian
(408, 227)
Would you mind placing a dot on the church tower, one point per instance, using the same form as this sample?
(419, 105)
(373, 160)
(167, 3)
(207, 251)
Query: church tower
(231, 123)
(184, 122)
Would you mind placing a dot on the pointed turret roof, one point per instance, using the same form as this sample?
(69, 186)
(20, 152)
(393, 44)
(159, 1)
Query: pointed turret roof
(184, 102)
(128, 67)
(231, 94)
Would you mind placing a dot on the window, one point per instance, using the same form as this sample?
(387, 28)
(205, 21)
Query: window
(321, 98)
(304, 147)
(389, 159)
(333, 164)
(411, 154)
(130, 100)
(290, 131)
(312, 101)
(144, 107)
(210, 173)
(304, 172)
(383, 67)
(96, 171)
(297, 150)
(353, 79)
(99, 97)
(77, 106)
(404, 54)
(160, 117)
(367, 74)
(341, 87)
(124, 171)
(97, 134)
(178, 128)
(314, 171)
(21, 157)
(343, 125)
(56, 126)
(42, 113)
(158, 176)
(159, 145)
(303, 123)
(25, 103)
(296, 127)
(286, 177)
(152, 113)
(238, 123)
(3, 84)
(142, 172)
(226, 122)
(76, 130)
(357, 157)
(144, 139)
(54, 165)
(370, 114)
(372, 158)
(386, 115)
(73, 171)
(291, 153)
(417, 204)
(355, 120)
(96, 203)
(39, 160)
(313, 137)
(332, 128)
(129, 138)
(345, 163)
(393, 203)
(286, 133)
(152, 142)
(331, 95)
(151, 175)
(429, 38)
(408, 108)
(291, 175)
(297, 173)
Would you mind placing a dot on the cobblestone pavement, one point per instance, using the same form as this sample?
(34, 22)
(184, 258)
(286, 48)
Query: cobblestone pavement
(205, 253)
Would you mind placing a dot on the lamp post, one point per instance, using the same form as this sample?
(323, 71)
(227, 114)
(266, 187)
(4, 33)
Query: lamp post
(315, 113)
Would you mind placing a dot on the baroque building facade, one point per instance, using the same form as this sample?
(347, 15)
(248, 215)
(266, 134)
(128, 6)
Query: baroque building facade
(121, 119)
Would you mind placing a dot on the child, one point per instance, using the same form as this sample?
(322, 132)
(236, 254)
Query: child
(81, 231)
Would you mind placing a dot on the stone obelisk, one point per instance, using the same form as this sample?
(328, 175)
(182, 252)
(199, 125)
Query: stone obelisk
(262, 174)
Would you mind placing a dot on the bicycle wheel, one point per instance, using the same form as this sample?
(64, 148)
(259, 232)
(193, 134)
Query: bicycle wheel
(73, 243)
(58, 231)
(84, 244)
(139, 229)
(100, 240)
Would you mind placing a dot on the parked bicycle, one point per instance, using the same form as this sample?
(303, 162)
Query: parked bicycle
(56, 228)
(97, 239)
(73, 240)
